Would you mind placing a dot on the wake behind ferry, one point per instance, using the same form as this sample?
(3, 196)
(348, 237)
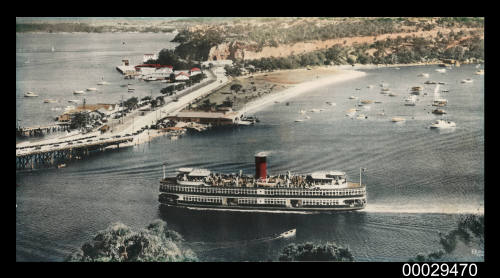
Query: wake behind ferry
(324, 191)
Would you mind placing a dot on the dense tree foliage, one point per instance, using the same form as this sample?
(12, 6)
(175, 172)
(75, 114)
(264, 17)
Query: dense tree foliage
(79, 120)
(120, 243)
(470, 230)
(315, 252)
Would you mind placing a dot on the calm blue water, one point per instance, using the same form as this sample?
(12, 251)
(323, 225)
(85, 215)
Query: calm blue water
(417, 178)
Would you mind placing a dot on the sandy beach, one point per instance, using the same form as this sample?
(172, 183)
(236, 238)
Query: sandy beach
(324, 76)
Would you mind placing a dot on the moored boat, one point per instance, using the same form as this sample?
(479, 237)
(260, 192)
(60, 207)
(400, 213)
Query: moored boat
(398, 119)
(438, 111)
(78, 92)
(411, 100)
(442, 124)
(30, 94)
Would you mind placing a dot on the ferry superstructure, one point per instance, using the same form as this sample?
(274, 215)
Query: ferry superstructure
(324, 191)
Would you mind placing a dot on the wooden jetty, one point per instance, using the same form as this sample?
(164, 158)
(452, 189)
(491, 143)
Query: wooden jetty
(36, 157)
(41, 130)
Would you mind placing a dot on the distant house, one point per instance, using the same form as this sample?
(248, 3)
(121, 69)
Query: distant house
(213, 118)
(64, 118)
(217, 63)
(194, 71)
(148, 57)
(104, 128)
(182, 76)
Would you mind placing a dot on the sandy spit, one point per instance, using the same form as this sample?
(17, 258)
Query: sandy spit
(342, 75)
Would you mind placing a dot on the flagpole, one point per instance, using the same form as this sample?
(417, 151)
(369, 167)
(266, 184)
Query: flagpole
(360, 177)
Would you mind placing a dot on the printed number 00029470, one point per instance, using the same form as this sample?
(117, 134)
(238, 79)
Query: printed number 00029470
(440, 270)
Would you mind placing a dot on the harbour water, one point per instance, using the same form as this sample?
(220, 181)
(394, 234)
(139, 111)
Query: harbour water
(418, 180)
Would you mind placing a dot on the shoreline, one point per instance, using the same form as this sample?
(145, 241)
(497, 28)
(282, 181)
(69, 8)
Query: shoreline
(298, 89)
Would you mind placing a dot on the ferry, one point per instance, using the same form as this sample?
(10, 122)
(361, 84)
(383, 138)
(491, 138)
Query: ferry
(322, 191)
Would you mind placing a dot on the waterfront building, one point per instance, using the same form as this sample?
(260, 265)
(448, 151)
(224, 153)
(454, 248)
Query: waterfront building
(214, 118)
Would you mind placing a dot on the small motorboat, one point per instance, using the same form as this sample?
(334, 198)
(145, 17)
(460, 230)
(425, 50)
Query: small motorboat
(302, 112)
(73, 101)
(351, 112)
(393, 94)
(299, 120)
(30, 94)
(439, 102)
(49, 100)
(62, 165)
(423, 75)
(91, 89)
(361, 117)
(443, 124)
(468, 80)
(438, 111)
(398, 119)
(417, 88)
(244, 122)
(411, 100)
(430, 82)
(369, 86)
(353, 97)
(288, 234)
(441, 83)
(441, 70)
(150, 78)
(480, 72)
(102, 83)
(366, 101)
(315, 110)
(78, 92)
(331, 103)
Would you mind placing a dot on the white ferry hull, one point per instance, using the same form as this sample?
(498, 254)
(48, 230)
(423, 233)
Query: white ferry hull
(183, 196)
(262, 209)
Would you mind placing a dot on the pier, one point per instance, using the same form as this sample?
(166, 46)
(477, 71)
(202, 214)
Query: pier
(33, 156)
(41, 130)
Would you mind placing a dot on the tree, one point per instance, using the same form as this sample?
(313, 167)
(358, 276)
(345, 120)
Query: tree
(236, 87)
(131, 103)
(120, 243)
(79, 120)
(315, 252)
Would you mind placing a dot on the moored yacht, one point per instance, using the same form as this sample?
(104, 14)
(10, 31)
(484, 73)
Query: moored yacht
(442, 124)
(411, 100)
(30, 94)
